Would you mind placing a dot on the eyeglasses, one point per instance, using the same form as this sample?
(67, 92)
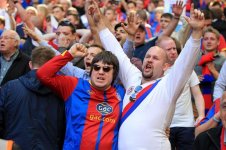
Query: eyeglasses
(104, 68)
(6, 37)
(136, 91)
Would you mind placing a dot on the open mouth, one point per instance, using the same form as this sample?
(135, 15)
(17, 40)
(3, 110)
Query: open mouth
(88, 64)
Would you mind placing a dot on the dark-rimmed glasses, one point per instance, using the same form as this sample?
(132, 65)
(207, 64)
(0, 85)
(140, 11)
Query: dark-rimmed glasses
(104, 68)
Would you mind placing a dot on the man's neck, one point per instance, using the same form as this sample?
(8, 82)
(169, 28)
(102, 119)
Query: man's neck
(209, 51)
(7, 56)
(147, 80)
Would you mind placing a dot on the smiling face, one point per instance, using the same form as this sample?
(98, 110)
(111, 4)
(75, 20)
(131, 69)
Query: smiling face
(91, 53)
(154, 64)
(102, 76)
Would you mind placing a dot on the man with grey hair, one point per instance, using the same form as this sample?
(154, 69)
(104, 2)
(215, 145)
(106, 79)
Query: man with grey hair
(13, 62)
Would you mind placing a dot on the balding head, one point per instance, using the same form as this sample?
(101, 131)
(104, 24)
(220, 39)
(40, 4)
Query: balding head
(9, 42)
(169, 46)
(154, 64)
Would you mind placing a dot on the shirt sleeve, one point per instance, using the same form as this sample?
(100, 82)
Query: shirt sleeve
(194, 79)
(47, 74)
(220, 83)
(69, 69)
(126, 67)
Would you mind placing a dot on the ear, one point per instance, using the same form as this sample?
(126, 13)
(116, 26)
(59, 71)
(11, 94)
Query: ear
(166, 66)
(30, 65)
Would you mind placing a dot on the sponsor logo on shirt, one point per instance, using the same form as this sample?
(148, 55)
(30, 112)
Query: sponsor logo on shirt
(104, 108)
(101, 118)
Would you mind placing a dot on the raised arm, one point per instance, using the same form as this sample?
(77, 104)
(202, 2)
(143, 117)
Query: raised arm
(62, 85)
(184, 65)
(131, 29)
(25, 18)
(10, 11)
(128, 73)
(68, 69)
(177, 10)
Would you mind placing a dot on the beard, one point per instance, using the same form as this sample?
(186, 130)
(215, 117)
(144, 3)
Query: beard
(147, 75)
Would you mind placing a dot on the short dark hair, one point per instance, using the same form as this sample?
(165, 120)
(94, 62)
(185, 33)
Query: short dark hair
(40, 55)
(68, 24)
(167, 15)
(97, 46)
(119, 25)
(107, 58)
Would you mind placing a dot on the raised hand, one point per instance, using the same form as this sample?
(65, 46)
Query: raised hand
(10, 8)
(31, 33)
(94, 11)
(196, 20)
(133, 24)
(177, 8)
(78, 50)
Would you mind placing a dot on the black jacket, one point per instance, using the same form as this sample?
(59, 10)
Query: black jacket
(208, 140)
(31, 115)
(19, 67)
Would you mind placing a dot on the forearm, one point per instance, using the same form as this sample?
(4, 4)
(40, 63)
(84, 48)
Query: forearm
(200, 105)
(171, 27)
(12, 22)
(111, 44)
(208, 125)
(85, 35)
(215, 74)
(24, 16)
(53, 66)
(128, 48)
(47, 74)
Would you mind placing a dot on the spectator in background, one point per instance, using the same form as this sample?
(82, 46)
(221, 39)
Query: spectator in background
(218, 22)
(13, 62)
(209, 64)
(32, 115)
(110, 15)
(182, 125)
(66, 4)
(214, 138)
(156, 23)
(142, 15)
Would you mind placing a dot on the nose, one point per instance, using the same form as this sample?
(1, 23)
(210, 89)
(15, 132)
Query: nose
(150, 60)
(101, 71)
